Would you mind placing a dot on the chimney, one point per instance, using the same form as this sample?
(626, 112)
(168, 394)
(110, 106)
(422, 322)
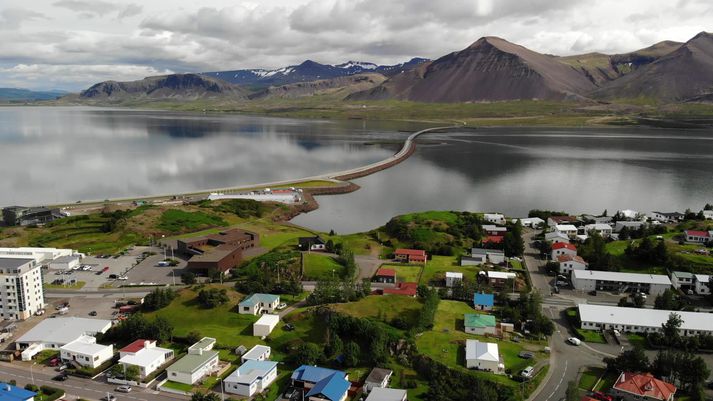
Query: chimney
(147, 344)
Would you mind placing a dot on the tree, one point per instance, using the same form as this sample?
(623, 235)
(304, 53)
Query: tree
(667, 301)
(198, 396)
(572, 393)
(307, 354)
(188, 278)
(352, 351)
(639, 300)
(193, 336)
(513, 244)
(671, 329)
(213, 297)
(329, 245)
(335, 346)
(160, 329)
(158, 298)
(633, 360)
(132, 373)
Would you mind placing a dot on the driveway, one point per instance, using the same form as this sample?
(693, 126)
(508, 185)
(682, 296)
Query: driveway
(368, 265)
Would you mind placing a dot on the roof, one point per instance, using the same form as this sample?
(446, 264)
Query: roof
(454, 275)
(696, 233)
(483, 251)
(621, 277)
(644, 317)
(13, 263)
(268, 319)
(481, 351)
(491, 227)
(312, 374)
(192, 362)
(644, 385)
(250, 371)
(501, 275)
(386, 272)
(256, 351)
(564, 245)
(85, 345)
(333, 387)
(410, 252)
(565, 227)
(310, 240)
(135, 346)
(682, 274)
(493, 239)
(145, 357)
(478, 320)
(560, 219)
(65, 259)
(377, 375)
(556, 234)
(63, 330)
(386, 394)
(8, 392)
(483, 299)
(597, 226)
(703, 278)
(402, 289)
(255, 299)
(571, 258)
(205, 343)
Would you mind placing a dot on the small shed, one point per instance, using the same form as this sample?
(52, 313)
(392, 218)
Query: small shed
(265, 325)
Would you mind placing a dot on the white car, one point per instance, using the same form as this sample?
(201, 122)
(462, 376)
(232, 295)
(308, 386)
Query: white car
(281, 306)
(574, 341)
(123, 389)
(122, 278)
(527, 372)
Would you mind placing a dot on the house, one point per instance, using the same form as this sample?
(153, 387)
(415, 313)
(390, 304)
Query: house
(562, 248)
(200, 361)
(555, 220)
(567, 229)
(453, 278)
(595, 280)
(682, 281)
(702, 284)
(257, 353)
(86, 352)
(556, 236)
(700, 237)
(321, 383)
(407, 289)
(604, 230)
(410, 255)
(708, 214)
(252, 377)
(8, 392)
(312, 244)
(667, 217)
(483, 301)
(257, 303)
(57, 332)
(494, 230)
(482, 356)
(630, 225)
(629, 214)
(532, 222)
(378, 378)
(569, 263)
(493, 239)
(145, 355)
(477, 323)
(493, 256)
(635, 320)
(495, 218)
(265, 325)
(499, 279)
(384, 275)
(642, 386)
(386, 394)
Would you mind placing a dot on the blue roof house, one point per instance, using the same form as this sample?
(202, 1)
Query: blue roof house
(483, 301)
(256, 304)
(9, 392)
(322, 383)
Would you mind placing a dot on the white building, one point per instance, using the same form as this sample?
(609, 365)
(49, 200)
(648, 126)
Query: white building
(629, 214)
(708, 214)
(378, 378)
(555, 237)
(250, 378)
(200, 361)
(568, 263)
(700, 237)
(67, 262)
(637, 320)
(682, 280)
(57, 332)
(452, 278)
(631, 225)
(666, 217)
(702, 284)
(265, 325)
(566, 229)
(256, 353)
(591, 280)
(604, 230)
(145, 355)
(21, 293)
(386, 394)
(532, 222)
(86, 352)
(256, 304)
(495, 218)
(494, 230)
(482, 356)
(40, 255)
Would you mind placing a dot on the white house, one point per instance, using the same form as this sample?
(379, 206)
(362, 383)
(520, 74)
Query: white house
(708, 214)
(378, 378)
(386, 394)
(604, 230)
(494, 230)
(629, 214)
(562, 248)
(256, 304)
(637, 320)
(495, 218)
(569, 263)
(631, 225)
(532, 222)
(265, 325)
(556, 236)
(256, 353)
(145, 355)
(682, 280)
(482, 356)
(452, 278)
(702, 284)
(86, 352)
(252, 377)
(700, 237)
(57, 332)
(591, 280)
(666, 217)
(566, 229)
(493, 256)
(200, 361)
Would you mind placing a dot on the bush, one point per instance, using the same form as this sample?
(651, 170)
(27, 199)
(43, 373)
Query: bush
(213, 297)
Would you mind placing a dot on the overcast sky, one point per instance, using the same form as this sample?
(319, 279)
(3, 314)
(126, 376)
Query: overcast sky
(71, 44)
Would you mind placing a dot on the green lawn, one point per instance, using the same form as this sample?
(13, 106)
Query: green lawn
(179, 386)
(590, 377)
(433, 215)
(360, 244)
(405, 272)
(77, 285)
(592, 336)
(436, 268)
(176, 220)
(383, 308)
(637, 340)
(321, 267)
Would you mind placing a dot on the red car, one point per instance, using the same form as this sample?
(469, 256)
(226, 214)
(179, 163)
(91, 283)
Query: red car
(601, 396)
(105, 269)
(54, 362)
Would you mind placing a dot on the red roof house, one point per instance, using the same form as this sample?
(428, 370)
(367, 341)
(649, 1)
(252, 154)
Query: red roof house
(697, 236)
(385, 276)
(493, 239)
(410, 255)
(563, 248)
(637, 386)
(408, 289)
(564, 245)
(136, 346)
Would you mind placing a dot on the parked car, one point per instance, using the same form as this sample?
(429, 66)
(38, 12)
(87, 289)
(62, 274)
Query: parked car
(282, 306)
(288, 327)
(60, 378)
(122, 278)
(109, 397)
(616, 332)
(114, 276)
(598, 395)
(526, 355)
(123, 389)
(574, 341)
(593, 293)
(54, 362)
(528, 372)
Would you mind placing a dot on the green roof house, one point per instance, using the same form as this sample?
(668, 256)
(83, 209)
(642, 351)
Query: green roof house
(477, 323)
(200, 361)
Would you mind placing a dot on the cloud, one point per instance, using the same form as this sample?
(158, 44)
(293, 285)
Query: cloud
(93, 7)
(129, 11)
(12, 18)
(66, 76)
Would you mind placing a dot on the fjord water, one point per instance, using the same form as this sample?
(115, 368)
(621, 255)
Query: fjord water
(51, 155)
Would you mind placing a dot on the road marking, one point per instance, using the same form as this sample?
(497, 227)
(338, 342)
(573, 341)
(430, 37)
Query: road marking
(564, 372)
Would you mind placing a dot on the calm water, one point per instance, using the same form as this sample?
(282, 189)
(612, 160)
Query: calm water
(52, 155)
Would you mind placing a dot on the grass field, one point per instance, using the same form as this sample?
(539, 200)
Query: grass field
(382, 307)
(637, 340)
(360, 244)
(321, 267)
(405, 272)
(436, 268)
(589, 378)
(176, 221)
(77, 285)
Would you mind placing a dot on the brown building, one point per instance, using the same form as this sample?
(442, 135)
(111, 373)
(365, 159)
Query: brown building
(222, 251)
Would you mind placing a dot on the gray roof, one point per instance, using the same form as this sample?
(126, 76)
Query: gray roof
(192, 362)
(377, 375)
(386, 394)
(63, 330)
(644, 317)
(66, 258)
(682, 274)
(621, 277)
(13, 263)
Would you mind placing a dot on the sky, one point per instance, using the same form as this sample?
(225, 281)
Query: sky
(72, 44)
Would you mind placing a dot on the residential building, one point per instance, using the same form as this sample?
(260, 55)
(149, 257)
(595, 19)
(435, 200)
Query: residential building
(636, 320)
(568, 263)
(264, 326)
(532, 222)
(700, 237)
(57, 332)
(482, 356)
(594, 280)
(556, 220)
(25, 216)
(453, 279)
(387, 394)
(682, 280)
(200, 361)
(629, 214)
(378, 378)
(642, 386)
(604, 230)
(408, 289)
(21, 293)
(567, 229)
(257, 303)
(145, 355)
(562, 248)
(321, 383)
(252, 377)
(474, 260)
(257, 353)
(702, 284)
(499, 279)
(410, 255)
(631, 225)
(556, 236)
(495, 218)
(492, 240)
(86, 352)
(483, 301)
(494, 230)
(309, 244)
(494, 256)
(478, 323)
(8, 392)
(40, 255)
(384, 275)
(222, 251)
(667, 217)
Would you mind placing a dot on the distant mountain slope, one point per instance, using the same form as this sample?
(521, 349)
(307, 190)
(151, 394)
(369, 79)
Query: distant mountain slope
(17, 95)
(686, 72)
(489, 69)
(174, 86)
(339, 87)
(308, 71)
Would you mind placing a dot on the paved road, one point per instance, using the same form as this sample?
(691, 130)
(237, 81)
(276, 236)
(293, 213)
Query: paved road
(368, 264)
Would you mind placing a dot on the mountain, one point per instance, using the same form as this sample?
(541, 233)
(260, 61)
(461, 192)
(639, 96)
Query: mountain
(308, 71)
(338, 88)
(489, 69)
(174, 86)
(684, 73)
(22, 95)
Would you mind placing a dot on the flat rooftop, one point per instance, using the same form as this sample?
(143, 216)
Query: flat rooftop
(13, 263)
(643, 317)
(621, 277)
(63, 330)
